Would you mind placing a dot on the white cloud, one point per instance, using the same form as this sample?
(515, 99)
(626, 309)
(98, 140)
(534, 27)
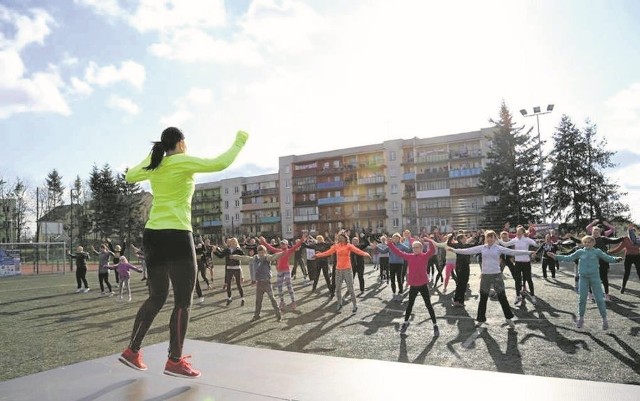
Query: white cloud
(20, 93)
(620, 121)
(195, 45)
(124, 104)
(196, 101)
(80, 87)
(109, 8)
(165, 16)
(282, 26)
(129, 71)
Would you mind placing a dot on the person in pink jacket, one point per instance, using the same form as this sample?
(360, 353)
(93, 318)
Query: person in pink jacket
(123, 268)
(283, 269)
(417, 279)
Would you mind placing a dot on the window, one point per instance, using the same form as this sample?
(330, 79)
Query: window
(237, 216)
(394, 205)
(336, 164)
(394, 188)
(393, 172)
(287, 199)
(237, 203)
(287, 183)
(236, 190)
(226, 191)
(287, 169)
(226, 204)
(226, 217)
(396, 222)
(392, 155)
(289, 229)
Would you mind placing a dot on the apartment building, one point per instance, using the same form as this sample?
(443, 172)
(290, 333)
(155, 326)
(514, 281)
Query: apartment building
(419, 184)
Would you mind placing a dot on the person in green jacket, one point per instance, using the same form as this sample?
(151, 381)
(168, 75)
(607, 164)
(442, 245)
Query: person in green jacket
(589, 276)
(168, 241)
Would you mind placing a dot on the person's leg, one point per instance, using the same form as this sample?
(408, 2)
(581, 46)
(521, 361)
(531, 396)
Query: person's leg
(526, 277)
(424, 291)
(228, 276)
(517, 278)
(350, 290)
(485, 285)
(261, 288)
(604, 275)
(339, 276)
(448, 269)
(395, 275)
(413, 292)
(279, 282)
(272, 298)
(83, 277)
(463, 281)
(546, 262)
(598, 295)
(287, 281)
(106, 281)
(583, 288)
(78, 280)
(628, 261)
(237, 276)
(101, 281)
(498, 286)
(127, 283)
(325, 273)
(360, 272)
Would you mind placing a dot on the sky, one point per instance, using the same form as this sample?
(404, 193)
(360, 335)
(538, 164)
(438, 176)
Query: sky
(93, 82)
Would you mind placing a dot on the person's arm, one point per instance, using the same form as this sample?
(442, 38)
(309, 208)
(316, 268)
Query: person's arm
(513, 252)
(607, 258)
(566, 258)
(241, 258)
(611, 228)
(222, 161)
(590, 226)
(268, 246)
(396, 250)
(507, 243)
(614, 240)
(618, 248)
(326, 253)
(358, 251)
(632, 236)
(468, 251)
(138, 173)
(275, 256)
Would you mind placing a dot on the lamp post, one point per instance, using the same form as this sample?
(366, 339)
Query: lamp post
(71, 221)
(537, 112)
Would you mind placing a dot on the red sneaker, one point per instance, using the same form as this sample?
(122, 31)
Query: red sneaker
(182, 368)
(132, 359)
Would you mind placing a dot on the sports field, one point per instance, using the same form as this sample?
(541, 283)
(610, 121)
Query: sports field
(46, 324)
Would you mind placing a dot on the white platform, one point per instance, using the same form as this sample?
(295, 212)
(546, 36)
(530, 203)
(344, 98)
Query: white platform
(231, 372)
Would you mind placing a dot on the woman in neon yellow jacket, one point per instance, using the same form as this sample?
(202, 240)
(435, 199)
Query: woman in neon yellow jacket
(168, 241)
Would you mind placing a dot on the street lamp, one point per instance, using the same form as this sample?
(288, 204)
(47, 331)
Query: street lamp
(537, 112)
(71, 221)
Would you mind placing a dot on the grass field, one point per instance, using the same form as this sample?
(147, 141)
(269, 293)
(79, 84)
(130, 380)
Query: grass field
(45, 324)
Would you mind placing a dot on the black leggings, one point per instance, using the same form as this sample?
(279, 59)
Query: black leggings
(523, 276)
(358, 270)
(81, 277)
(170, 256)
(551, 264)
(229, 274)
(103, 278)
(630, 260)
(604, 275)
(395, 271)
(413, 293)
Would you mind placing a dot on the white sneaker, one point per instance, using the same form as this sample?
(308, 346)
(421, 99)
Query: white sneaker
(87, 289)
(404, 327)
(580, 322)
(518, 300)
(129, 299)
(79, 290)
(511, 324)
(200, 300)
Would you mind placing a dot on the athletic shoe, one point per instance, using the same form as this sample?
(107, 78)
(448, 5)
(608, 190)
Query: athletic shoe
(112, 293)
(129, 299)
(607, 297)
(518, 300)
(255, 317)
(339, 308)
(580, 322)
(200, 300)
(87, 290)
(79, 290)
(534, 300)
(511, 324)
(479, 325)
(622, 290)
(404, 327)
(293, 305)
(436, 331)
(394, 297)
(120, 298)
(355, 309)
(605, 324)
(132, 359)
(456, 303)
(228, 301)
(102, 293)
(182, 368)
(144, 279)
(278, 317)
(242, 301)
(282, 305)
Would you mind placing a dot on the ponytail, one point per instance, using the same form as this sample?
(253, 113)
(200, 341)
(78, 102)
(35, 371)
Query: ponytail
(157, 153)
(168, 140)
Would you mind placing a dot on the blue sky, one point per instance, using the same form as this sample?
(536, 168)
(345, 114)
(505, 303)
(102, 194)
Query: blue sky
(94, 81)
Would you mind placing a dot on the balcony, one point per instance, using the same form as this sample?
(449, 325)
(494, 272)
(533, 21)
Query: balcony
(372, 213)
(432, 175)
(373, 197)
(465, 172)
(371, 180)
(431, 158)
(330, 185)
(473, 153)
(211, 223)
(307, 217)
(408, 176)
(331, 170)
(305, 188)
(466, 191)
(331, 201)
(269, 219)
(259, 192)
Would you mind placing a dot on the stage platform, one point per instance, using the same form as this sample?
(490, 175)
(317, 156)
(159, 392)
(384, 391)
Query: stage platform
(239, 373)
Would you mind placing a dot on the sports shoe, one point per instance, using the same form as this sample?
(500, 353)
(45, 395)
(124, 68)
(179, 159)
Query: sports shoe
(404, 327)
(132, 359)
(518, 300)
(622, 290)
(242, 301)
(534, 300)
(112, 293)
(282, 305)
(255, 317)
(102, 293)
(605, 324)
(339, 308)
(580, 322)
(86, 290)
(607, 297)
(436, 331)
(129, 299)
(479, 325)
(511, 324)
(278, 317)
(79, 290)
(355, 309)
(293, 305)
(228, 301)
(200, 300)
(182, 368)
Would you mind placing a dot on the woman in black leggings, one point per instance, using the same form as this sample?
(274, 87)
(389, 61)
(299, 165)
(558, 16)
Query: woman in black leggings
(168, 242)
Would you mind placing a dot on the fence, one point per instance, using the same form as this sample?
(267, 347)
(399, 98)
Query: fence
(25, 258)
